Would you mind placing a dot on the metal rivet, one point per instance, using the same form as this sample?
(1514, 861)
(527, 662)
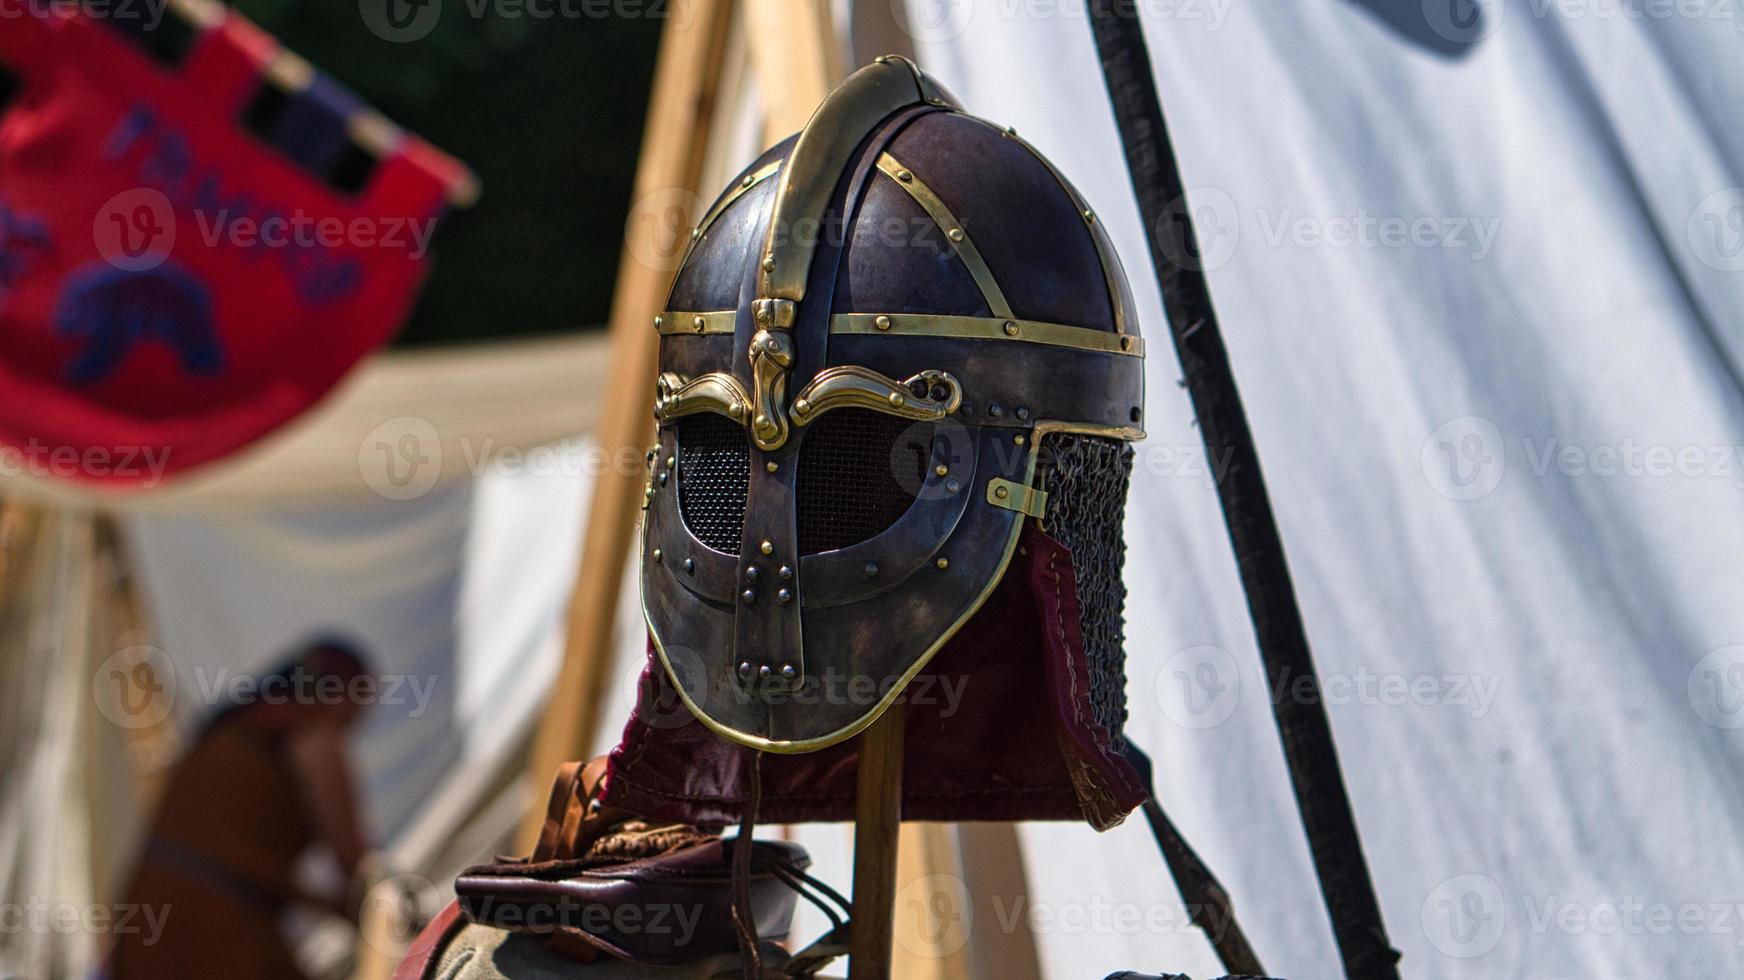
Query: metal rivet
(748, 181)
(745, 669)
(1023, 412)
(767, 548)
(952, 486)
(762, 314)
(648, 491)
(882, 323)
(904, 176)
(749, 595)
(769, 263)
(658, 321)
(802, 406)
(751, 573)
(1126, 343)
(1017, 439)
(762, 421)
(764, 671)
(1010, 328)
(1001, 492)
(1011, 130)
(699, 323)
(785, 595)
(695, 233)
(771, 466)
(995, 411)
(690, 564)
(671, 461)
(942, 470)
(658, 554)
(943, 562)
(664, 477)
(788, 673)
(786, 573)
(896, 399)
(871, 569)
(956, 234)
(735, 409)
(1089, 216)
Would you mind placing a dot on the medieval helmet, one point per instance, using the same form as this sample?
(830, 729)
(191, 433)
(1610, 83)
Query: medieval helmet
(895, 339)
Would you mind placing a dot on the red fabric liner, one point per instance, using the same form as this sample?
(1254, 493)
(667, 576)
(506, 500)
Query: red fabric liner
(997, 729)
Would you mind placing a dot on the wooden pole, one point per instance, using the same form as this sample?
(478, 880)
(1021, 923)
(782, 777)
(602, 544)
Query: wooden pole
(798, 60)
(673, 146)
(877, 821)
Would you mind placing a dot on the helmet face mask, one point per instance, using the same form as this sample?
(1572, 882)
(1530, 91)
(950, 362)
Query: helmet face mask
(880, 332)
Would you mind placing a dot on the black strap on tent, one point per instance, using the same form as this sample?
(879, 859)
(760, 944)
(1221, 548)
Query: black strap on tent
(1259, 552)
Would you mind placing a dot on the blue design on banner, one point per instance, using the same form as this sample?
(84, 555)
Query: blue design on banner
(20, 235)
(113, 309)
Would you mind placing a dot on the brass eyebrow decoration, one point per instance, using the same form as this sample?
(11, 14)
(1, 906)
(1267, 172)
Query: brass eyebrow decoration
(674, 397)
(771, 355)
(927, 396)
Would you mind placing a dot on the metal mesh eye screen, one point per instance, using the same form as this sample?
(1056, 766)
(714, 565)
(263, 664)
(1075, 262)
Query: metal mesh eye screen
(859, 471)
(714, 471)
(1086, 478)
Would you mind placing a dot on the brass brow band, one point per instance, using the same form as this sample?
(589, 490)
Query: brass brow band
(929, 325)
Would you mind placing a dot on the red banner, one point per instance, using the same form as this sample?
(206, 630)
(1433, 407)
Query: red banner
(195, 243)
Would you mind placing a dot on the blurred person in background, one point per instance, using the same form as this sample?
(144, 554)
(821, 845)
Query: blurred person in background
(265, 780)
